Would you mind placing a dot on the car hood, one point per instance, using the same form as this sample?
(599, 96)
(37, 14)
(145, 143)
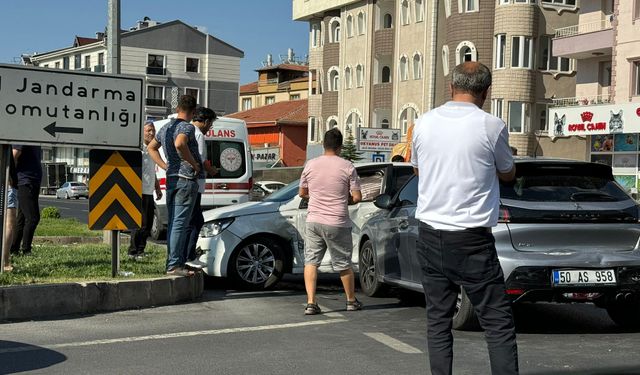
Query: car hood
(242, 209)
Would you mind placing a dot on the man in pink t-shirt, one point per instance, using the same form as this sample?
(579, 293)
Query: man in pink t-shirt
(330, 183)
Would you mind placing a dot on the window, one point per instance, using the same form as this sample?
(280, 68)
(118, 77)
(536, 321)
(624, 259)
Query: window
(386, 74)
(192, 65)
(349, 26)
(193, 92)
(404, 11)
(87, 62)
(518, 117)
(636, 9)
(417, 66)
(547, 61)
(419, 10)
(77, 61)
(384, 123)
(635, 66)
(46, 65)
(315, 35)
(496, 107)
(359, 76)
(466, 51)
(445, 60)
(65, 62)
(571, 3)
(294, 97)
(501, 45)
(335, 30)
(155, 96)
(470, 5)
(315, 133)
(361, 23)
(57, 64)
(332, 123)
(404, 70)
(408, 196)
(246, 104)
(101, 58)
(353, 119)
(334, 79)
(155, 65)
(408, 117)
(269, 100)
(521, 52)
(388, 21)
(542, 116)
(347, 78)
(447, 8)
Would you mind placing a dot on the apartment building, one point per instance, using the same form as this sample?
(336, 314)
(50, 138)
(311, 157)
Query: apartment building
(173, 58)
(605, 42)
(380, 64)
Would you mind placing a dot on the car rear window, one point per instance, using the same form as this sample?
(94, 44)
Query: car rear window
(556, 182)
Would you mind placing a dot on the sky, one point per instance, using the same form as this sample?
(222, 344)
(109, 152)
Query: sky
(257, 27)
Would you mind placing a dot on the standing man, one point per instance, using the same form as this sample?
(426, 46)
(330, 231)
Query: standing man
(149, 183)
(184, 167)
(459, 153)
(330, 183)
(203, 121)
(11, 209)
(29, 172)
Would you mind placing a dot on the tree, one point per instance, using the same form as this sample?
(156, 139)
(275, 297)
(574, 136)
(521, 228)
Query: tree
(349, 148)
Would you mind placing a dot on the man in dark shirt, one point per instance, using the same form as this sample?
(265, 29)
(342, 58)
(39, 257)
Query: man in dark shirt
(29, 171)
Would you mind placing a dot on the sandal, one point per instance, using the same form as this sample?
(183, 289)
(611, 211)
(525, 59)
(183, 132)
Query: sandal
(312, 309)
(354, 305)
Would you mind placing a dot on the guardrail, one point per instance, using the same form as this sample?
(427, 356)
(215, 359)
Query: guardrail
(584, 28)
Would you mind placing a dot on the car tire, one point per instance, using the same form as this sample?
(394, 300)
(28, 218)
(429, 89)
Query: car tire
(256, 264)
(465, 319)
(625, 314)
(368, 271)
(157, 232)
(77, 197)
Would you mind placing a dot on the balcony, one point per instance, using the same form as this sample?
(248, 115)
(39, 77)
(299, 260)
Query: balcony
(582, 100)
(99, 68)
(585, 40)
(153, 102)
(155, 70)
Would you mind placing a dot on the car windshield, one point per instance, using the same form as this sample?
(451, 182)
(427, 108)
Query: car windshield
(274, 186)
(285, 194)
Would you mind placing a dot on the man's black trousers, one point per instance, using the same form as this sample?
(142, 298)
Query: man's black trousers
(28, 217)
(139, 236)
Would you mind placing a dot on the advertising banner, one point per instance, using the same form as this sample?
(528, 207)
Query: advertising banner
(375, 139)
(596, 119)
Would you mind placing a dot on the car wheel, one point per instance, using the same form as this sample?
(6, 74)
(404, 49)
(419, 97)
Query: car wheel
(625, 314)
(77, 197)
(465, 319)
(368, 273)
(158, 231)
(256, 264)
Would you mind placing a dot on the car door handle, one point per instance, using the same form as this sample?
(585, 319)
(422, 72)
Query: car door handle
(403, 224)
(222, 186)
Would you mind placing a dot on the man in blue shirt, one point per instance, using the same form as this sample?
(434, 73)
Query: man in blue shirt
(184, 168)
(29, 171)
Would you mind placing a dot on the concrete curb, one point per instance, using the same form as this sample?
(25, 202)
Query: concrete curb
(27, 302)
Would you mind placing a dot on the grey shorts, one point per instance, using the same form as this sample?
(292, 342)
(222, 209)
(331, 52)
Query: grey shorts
(320, 237)
(12, 198)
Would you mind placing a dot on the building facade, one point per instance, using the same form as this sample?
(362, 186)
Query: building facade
(380, 64)
(173, 58)
(605, 42)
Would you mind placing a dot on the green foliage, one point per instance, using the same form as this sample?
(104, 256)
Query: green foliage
(64, 227)
(349, 148)
(50, 213)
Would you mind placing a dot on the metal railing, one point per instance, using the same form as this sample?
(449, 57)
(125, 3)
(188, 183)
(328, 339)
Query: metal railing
(582, 100)
(270, 81)
(156, 71)
(155, 102)
(584, 28)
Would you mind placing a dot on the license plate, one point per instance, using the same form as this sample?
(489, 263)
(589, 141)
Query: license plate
(583, 277)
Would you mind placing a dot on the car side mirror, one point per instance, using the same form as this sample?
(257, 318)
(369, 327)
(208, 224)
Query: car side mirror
(383, 201)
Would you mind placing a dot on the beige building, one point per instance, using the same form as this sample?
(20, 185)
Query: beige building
(605, 42)
(381, 63)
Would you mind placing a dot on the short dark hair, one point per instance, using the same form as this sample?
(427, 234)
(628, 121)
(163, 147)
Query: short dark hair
(187, 103)
(397, 158)
(204, 114)
(332, 139)
(471, 77)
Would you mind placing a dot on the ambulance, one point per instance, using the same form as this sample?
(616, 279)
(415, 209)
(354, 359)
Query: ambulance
(228, 150)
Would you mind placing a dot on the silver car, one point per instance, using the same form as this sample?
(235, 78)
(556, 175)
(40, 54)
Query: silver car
(73, 190)
(567, 233)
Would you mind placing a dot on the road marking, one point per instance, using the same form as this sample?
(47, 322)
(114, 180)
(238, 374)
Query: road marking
(393, 343)
(173, 335)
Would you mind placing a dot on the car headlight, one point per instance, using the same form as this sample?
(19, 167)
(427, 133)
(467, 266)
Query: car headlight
(214, 228)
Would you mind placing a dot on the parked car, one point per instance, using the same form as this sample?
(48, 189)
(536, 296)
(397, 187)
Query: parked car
(255, 243)
(73, 190)
(263, 188)
(567, 233)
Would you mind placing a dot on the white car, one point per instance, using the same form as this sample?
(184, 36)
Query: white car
(262, 189)
(73, 190)
(255, 243)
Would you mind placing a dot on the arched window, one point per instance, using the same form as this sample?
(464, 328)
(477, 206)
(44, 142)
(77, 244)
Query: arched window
(419, 11)
(388, 21)
(404, 11)
(359, 76)
(386, 74)
(349, 26)
(385, 123)
(315, 35)
(332, 122)
(404, 70)
(353, 120)
(334, 26)
(466, 51)
(408, 117)
(361, 24)
(347, 78)
(445, 59)
(417, 66)
(465, 54)
(334, 79)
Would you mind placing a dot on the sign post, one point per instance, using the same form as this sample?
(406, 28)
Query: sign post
(5, 154)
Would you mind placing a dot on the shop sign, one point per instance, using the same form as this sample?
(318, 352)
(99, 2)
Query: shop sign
(265, 155)
(374, 139)
(598, 119)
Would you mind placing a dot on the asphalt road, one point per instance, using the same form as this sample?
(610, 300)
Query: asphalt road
(235, 332)
(69, 208)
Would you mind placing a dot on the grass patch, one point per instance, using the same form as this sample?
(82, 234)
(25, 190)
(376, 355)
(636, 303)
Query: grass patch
(64, 227)
(82, 262)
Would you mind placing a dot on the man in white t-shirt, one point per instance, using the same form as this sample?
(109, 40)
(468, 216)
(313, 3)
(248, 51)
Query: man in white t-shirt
(459, 153)
(203, 121)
